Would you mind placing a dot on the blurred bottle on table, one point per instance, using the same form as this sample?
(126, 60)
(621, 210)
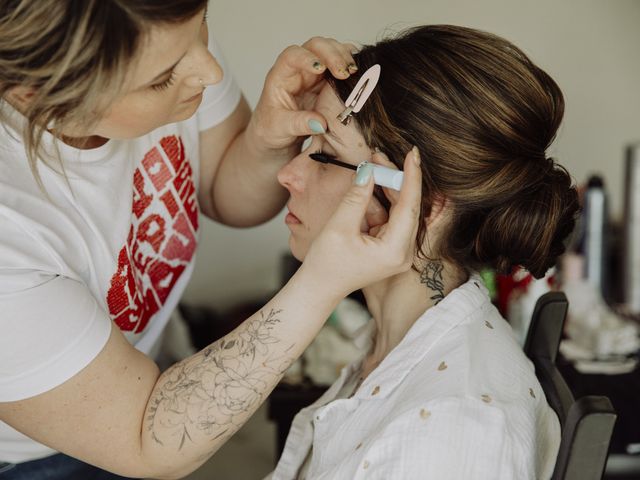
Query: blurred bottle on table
(595, 216)
(631, 222)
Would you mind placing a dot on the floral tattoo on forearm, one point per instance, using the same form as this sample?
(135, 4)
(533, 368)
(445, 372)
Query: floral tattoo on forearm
(213, 392)
(431, 276)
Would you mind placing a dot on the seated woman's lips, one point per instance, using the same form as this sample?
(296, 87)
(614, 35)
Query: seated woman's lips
(291, 219)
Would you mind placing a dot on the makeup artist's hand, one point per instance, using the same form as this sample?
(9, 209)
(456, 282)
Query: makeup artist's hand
(376, 214)
(345, 259)
(284, 112)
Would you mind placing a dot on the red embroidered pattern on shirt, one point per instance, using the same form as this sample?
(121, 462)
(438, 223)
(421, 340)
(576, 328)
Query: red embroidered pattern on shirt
(162, 237)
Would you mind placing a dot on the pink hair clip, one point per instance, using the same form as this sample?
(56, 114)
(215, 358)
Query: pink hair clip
(360, 94)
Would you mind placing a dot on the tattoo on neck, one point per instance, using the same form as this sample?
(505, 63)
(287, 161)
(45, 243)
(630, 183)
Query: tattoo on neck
(214, 392)
(431, 276)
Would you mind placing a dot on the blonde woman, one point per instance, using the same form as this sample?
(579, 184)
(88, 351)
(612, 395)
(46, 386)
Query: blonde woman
(445, 391)
(110, 146)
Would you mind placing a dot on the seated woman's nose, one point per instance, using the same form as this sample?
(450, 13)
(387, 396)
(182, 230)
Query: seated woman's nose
(289, 176)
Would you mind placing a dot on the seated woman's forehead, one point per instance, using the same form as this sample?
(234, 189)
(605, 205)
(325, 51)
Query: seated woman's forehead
(328, 101)
(330, 106)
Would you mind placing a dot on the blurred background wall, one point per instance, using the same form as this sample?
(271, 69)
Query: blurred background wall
(590, 47)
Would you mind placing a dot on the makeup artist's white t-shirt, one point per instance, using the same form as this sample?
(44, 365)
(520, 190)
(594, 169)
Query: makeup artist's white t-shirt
(456, 399)
(116, 248)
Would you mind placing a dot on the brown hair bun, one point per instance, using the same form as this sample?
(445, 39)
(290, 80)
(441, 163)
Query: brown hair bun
(529, 229)
(481, 114)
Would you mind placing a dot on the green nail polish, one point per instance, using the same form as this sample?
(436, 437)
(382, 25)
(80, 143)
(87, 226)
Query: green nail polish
(317, 65)
(364, 174)
(352, 67)
(316, 126)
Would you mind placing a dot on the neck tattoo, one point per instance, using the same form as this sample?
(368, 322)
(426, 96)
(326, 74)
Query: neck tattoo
(431, 276)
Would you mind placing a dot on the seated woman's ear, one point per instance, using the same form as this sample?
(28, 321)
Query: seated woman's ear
(440, 207)
(439, 216)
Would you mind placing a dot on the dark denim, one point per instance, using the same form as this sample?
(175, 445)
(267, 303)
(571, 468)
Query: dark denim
(55, 467)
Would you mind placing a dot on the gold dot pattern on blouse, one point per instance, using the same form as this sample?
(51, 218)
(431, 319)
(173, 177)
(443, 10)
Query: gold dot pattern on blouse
(376, 390)
(488, 324)
(486, 398)
(366, 464)
(532, 393)
(442, 366)
(424, 414)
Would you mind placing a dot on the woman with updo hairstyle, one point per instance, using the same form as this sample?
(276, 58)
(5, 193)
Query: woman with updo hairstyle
(444, 389)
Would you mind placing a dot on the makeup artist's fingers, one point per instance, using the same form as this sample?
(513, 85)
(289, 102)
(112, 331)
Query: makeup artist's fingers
(304, 123)
(348, 216)
(292, 124)
(348, 49)
(335, 55)
(285, 109)
(407, 209)
(296, 59)
(375, 216)
(381, 158)
(352, 47)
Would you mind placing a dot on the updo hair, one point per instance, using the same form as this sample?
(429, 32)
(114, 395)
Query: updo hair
(482, 115)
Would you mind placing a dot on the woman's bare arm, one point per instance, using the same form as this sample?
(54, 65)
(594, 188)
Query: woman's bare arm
(120, 414)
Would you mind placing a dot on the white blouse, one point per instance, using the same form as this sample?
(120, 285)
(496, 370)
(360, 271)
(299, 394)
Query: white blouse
(456, 399)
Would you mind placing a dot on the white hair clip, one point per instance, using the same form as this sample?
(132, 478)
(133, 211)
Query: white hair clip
(360, 94)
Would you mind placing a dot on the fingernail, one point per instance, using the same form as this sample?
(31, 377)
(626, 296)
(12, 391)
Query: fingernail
(364, 174)
(352, 67)
(316, 126)
(317, 65)
(416, 155)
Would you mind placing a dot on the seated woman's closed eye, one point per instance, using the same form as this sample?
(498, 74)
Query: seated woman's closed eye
(444, 391)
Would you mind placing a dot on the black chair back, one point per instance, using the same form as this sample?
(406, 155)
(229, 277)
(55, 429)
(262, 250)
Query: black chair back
(586, 424)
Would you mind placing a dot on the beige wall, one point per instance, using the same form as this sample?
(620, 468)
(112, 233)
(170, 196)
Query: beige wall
(591, 48)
